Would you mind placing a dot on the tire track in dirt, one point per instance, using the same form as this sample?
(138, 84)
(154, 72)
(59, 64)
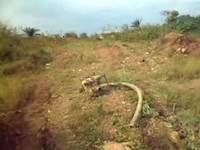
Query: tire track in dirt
(27, 118)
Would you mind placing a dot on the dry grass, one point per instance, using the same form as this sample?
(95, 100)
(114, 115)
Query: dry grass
(19, 57)
(181, 68)
(13, 91)
(183, 111)
(9, 93)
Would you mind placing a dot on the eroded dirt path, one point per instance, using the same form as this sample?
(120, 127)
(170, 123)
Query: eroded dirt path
(78, 122)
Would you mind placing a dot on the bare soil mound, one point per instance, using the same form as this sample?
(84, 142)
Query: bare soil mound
(181, 43)
(107, 53)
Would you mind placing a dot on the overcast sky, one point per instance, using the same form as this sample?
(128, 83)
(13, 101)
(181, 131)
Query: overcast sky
(60, 16)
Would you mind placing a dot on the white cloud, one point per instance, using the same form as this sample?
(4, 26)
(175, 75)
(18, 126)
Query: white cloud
(88, 15)
(95, 4)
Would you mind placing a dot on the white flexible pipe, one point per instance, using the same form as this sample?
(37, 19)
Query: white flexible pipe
(139, 93)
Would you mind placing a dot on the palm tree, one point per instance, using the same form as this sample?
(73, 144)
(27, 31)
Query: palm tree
(136, 23)
(30, 31)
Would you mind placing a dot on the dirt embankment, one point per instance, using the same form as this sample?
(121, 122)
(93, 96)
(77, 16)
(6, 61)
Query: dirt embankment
(182, 44)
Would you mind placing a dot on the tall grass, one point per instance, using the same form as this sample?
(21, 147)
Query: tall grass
(12, 91)
(185, 110)
(9, 93)
(182, 68)
(121, 76)
(84, 128)
(18, 56)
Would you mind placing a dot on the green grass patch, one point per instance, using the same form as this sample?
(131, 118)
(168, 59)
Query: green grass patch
(187, 103)
(181, 68)
(122, 76)
(18, 56)
(184, 113)
(13, 90)
(84, 129)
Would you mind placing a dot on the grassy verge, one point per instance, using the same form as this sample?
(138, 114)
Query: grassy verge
(183, 105)
(19, 58)
(181, 68)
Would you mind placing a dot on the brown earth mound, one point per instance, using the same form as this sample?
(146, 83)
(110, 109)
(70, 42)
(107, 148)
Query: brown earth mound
(182, 43)
(107, 53)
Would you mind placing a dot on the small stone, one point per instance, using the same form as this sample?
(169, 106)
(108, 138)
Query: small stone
(19, 111)
(54, 96)
(127, 58)
(147, 53)
(48, 64)
(174, 137)
(183, 50)
(152, 69)
(123, 61)
(123, 102)
(65, 117)
(179, 49)
(48, 111)
(93, 67)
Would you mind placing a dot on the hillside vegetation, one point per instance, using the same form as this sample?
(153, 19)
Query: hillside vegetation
(40, 77)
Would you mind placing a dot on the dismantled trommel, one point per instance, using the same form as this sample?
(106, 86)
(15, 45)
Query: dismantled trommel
(91, 85)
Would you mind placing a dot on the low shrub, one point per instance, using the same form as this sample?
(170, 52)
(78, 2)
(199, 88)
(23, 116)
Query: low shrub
(71, 35)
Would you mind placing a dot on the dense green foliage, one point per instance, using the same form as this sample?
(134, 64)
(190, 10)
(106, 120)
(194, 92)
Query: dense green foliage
(181, 23)
(187, 23)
